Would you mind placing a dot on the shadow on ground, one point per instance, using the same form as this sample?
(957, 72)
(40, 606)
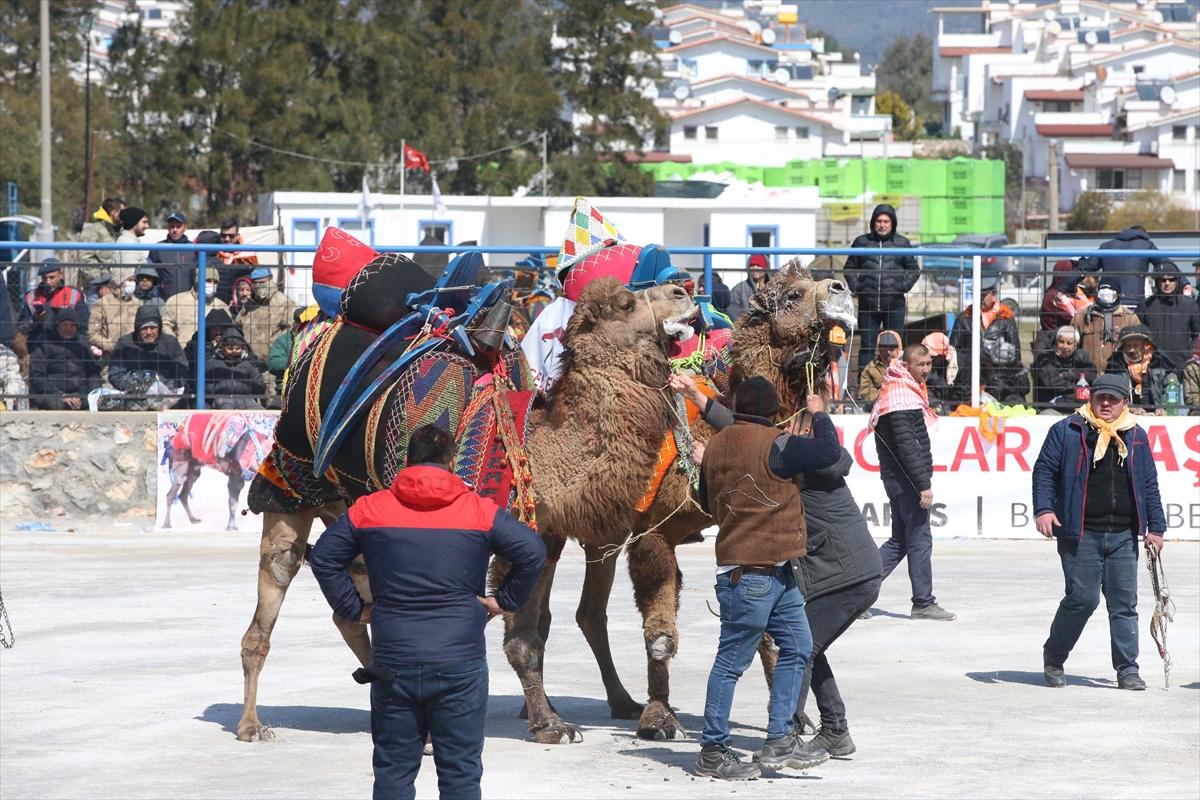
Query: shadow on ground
(320, 719)
(685, 761)
(1038, 679)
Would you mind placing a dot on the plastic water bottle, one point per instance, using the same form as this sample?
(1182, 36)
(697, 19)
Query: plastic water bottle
(1173, 390)
(1082, 390)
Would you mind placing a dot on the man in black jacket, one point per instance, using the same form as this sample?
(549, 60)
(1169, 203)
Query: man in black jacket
(232, 377)
(426, 542)
(1130, 272)
(1173, 317)
(175, 269)
(62, 370)
(879, 283)
(144, 356)
(899, 419)
(1057, 372)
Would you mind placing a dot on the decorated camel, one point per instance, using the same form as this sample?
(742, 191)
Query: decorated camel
(483, 396)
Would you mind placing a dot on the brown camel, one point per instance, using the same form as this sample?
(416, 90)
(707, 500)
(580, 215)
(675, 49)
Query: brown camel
(780, 335)
(616, 360)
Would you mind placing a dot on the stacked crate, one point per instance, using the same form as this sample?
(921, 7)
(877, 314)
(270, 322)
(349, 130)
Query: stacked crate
(960, 196)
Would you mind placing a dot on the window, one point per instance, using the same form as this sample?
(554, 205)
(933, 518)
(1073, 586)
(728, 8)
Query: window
(1059, 106)
(687, 66)
(354, 226)
(781, 133)
(689, 131)
(1177, 180)
(442, 231)
(1110, 179)
(801, 132)
(155, 13)
(1133, 179)
(710, 132)
(1138, 69)
(861, 104)
(763, 236)
(304, 232)
(1179, 133)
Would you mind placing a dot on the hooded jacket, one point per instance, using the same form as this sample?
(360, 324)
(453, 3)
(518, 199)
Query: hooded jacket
(880, 282)
(1173, 319)
(60, 367)
(1055, 376)
(135, 363)
(1150, 391)
(225, 378)
(1129, 272)
(426, 541)
(1090, 324)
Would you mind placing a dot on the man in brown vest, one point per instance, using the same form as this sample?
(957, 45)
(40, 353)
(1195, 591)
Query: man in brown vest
(746, 484)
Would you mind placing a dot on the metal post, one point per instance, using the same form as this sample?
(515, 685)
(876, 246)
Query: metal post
(403, 170)
(87, 125)
(201, 333)
(545, 176)
(708, 276)
(976, 325)
(46, 230)
(1052, 175)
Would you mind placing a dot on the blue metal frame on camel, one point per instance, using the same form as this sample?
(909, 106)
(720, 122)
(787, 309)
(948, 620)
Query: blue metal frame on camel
(455, 289)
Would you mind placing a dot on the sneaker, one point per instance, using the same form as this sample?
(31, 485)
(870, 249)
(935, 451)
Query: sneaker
(865, 615)
(833, 741)
(719, 761)
(1054, 676)
(931, 611)
(790, 751)
(1131, 681)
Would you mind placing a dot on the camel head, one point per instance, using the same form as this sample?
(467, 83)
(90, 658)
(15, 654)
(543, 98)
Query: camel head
(793, 312)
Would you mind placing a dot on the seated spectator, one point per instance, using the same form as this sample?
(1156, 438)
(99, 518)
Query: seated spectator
(1101, 323)
(1001, 345)
(1057, 372)
(185, 306)
(1137, 357)
(1191, 382)
(98, 288)
(1070, 292)
(62, 369)
(887, 348)
(1172, 317)
(216, 323)
(233, 378)
(280, 354)
(948, 384)
(51, 294)
(144, 356)
(243, 290)
(264, 316)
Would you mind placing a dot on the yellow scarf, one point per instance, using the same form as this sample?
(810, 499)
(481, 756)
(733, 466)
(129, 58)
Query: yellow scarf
(103, 216)
(1108, 431)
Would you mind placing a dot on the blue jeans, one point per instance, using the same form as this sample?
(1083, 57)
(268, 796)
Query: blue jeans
(911, 538)
(1100, 562)
(870, 323)
(759, 603)
(446, 701)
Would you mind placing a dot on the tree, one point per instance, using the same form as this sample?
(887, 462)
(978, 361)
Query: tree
(1090, 213)
(1152, 209)
(907, 70)
(905, 125)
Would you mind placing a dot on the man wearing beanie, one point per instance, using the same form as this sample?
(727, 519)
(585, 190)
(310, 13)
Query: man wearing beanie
(1095, 491)
(134, 224)
(746, 484)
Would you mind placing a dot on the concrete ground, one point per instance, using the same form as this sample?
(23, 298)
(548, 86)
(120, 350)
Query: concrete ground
(125, 682)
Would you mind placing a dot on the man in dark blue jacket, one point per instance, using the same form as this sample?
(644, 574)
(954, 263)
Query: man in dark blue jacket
(1095, 488)
(1130, 271)
(426, 543)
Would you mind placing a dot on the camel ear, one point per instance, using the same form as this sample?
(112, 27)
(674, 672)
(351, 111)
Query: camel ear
(793, 269)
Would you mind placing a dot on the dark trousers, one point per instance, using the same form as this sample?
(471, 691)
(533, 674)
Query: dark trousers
(870, 323)
(911, 538)
(829, 616)
(446, 701)
(1100, 562)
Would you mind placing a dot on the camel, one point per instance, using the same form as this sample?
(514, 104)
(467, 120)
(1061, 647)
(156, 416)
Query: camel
(777, 339)
(615, 333)
(203, 441)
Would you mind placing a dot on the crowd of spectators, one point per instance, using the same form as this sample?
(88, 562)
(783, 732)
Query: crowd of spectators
(121, 325)
(126, 322)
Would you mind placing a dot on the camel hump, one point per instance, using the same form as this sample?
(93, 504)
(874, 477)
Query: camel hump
(374, 298)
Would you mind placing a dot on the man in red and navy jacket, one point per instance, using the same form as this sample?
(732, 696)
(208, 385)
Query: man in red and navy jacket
(426, 542)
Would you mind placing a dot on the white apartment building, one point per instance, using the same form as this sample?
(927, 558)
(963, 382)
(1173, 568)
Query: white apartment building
(745, 84)
(160, 18)
(1116, 86)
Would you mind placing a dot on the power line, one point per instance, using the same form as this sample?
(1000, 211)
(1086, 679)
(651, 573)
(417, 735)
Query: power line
(342, 162)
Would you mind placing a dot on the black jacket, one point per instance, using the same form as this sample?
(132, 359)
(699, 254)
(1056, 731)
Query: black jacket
(232, 378)
(880, 283)
(1129, 272)
(902, 442)
(1154, 385)
(1001, 344)
(1174, 319)
(134, 364)
(60, 368)
(1056, 377)
(841, 552)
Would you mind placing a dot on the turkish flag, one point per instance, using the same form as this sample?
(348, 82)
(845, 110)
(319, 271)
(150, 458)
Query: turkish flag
(415, 159)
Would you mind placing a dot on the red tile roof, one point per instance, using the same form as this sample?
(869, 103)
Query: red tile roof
(955, 52)
(659, 157)
(1069, 130)
(1073, 95)
(1117, 161)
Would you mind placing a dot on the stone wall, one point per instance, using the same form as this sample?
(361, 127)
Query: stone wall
(62, 466)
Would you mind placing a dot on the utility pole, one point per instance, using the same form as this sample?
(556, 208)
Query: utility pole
(545, 174)
(46, 231)
(1052, 174)
(87, 125)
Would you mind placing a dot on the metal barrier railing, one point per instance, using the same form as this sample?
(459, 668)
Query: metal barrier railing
(942, 293)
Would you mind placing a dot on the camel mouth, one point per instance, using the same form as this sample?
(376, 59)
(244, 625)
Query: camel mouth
(679, 327)
(839, 308)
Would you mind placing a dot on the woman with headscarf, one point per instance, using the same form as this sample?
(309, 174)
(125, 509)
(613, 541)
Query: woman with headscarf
(1057, 372)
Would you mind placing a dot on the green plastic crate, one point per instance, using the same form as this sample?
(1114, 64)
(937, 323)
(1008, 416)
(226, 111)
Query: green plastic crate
(935, 214)
(989, 178)
(775, 176)
(929, 178)
(749, 174)
(846, 180)
(875, 170)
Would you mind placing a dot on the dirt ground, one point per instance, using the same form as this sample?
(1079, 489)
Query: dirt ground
(125, 681)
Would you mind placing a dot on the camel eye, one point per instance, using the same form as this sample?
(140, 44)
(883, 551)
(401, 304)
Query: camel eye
(626, 302)
(795, 294)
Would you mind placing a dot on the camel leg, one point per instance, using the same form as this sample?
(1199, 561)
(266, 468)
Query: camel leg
(656, 585)
(193, 472)
(236, 482)
(524, 646)
(280, 555)
(356, 634)
(592, 618)
(173, 492)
